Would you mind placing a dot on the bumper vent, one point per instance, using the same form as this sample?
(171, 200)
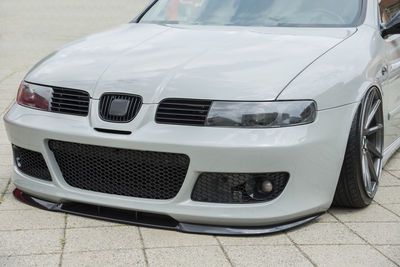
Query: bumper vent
(183, 111)
(133, 173)
(238, 188)
(31, 163)
(70, 101)
(119, 108)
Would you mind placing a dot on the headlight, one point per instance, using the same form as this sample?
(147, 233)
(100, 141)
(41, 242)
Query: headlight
(261, 114)
(34, 96)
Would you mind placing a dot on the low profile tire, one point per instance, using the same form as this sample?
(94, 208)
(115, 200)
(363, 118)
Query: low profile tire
(362, 166)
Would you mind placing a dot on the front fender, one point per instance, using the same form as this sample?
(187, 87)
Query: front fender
(344, 74)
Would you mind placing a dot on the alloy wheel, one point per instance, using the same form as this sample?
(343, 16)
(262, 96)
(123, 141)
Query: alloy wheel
(372, 141)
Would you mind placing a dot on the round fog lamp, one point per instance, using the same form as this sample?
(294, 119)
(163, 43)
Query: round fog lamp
(267, 186)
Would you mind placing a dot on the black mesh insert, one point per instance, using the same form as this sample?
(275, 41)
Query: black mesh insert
(133, 173)
(236, 187)
(31, 163)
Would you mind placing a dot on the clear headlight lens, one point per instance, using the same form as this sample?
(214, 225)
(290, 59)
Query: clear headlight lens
(35, 96)
(261, 114)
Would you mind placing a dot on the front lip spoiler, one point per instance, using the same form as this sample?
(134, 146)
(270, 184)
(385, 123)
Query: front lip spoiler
(152, 220)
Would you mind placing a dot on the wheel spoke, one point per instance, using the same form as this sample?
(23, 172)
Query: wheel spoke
(372, 113)
(366, 172)
(371, 166)
(371, 140)
(373, 130)
(374, 150)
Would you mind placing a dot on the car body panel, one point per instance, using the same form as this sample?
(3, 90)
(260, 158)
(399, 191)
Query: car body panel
(391, 86)
(337, 79)
(80, 64)
(312, 154)
(157, 62)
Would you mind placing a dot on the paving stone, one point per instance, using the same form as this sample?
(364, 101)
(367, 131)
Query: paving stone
(3, 185)
(396, 155)
(392, 252)
(394, 208)
(10, 188)
(268, 240)
(4, 139)
(2, 127)
(266, 256)
(83, 222)
(102, 238)
(389, 179)
(10, 203)
(388, 195)
(6, 161)
(187, 256)
(30, 242)
(324, 233)
(393, 164)
(31, 260)
(30, 219)
(5, 150)
(378, 233)
(154, 238)
(373, 213)
(346, 255)
(133, 257)
(5, 173)
(396, 173)
(325, 218)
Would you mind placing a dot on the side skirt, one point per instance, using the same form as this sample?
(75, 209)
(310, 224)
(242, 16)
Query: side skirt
(390, 150)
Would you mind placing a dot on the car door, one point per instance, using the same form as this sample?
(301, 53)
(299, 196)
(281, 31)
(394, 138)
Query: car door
(391, 72)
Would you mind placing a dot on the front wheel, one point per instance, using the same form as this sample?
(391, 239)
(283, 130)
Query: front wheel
(362, 166)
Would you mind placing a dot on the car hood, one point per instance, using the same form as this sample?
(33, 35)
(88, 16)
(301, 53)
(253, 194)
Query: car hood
(157, 62)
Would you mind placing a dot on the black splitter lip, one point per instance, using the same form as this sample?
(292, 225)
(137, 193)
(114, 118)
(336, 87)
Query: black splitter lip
(162, 222)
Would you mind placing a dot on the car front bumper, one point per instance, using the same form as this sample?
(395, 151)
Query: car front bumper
(312, 155)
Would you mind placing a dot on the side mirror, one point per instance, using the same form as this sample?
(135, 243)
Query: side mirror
(392, 27)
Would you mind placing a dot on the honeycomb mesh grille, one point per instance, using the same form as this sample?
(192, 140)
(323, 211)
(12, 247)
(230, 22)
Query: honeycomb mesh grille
(183, 111)
(31, 163)
(233, 187)
(133, 173)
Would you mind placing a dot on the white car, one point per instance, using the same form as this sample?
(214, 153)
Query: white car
(209, 116)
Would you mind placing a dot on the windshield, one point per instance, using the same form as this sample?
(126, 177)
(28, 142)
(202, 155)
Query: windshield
(266, 13)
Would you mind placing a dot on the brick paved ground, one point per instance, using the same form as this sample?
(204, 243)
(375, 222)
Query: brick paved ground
(29, 30)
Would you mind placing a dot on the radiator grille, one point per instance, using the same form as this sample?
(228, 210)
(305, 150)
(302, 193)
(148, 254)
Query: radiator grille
(141, 174)
(234, 187)
(31, 163)
(70, 101)
(135, 103)
(183, 111)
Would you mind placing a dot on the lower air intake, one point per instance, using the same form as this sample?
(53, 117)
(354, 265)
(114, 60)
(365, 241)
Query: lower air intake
(238, 188)
(31, 163)
(124, 172)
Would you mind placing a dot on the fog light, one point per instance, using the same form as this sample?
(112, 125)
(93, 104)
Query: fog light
(258, 188)
(267, 186)
(239, 187)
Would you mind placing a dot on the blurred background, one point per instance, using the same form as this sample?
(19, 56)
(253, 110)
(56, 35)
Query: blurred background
(30, 30)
